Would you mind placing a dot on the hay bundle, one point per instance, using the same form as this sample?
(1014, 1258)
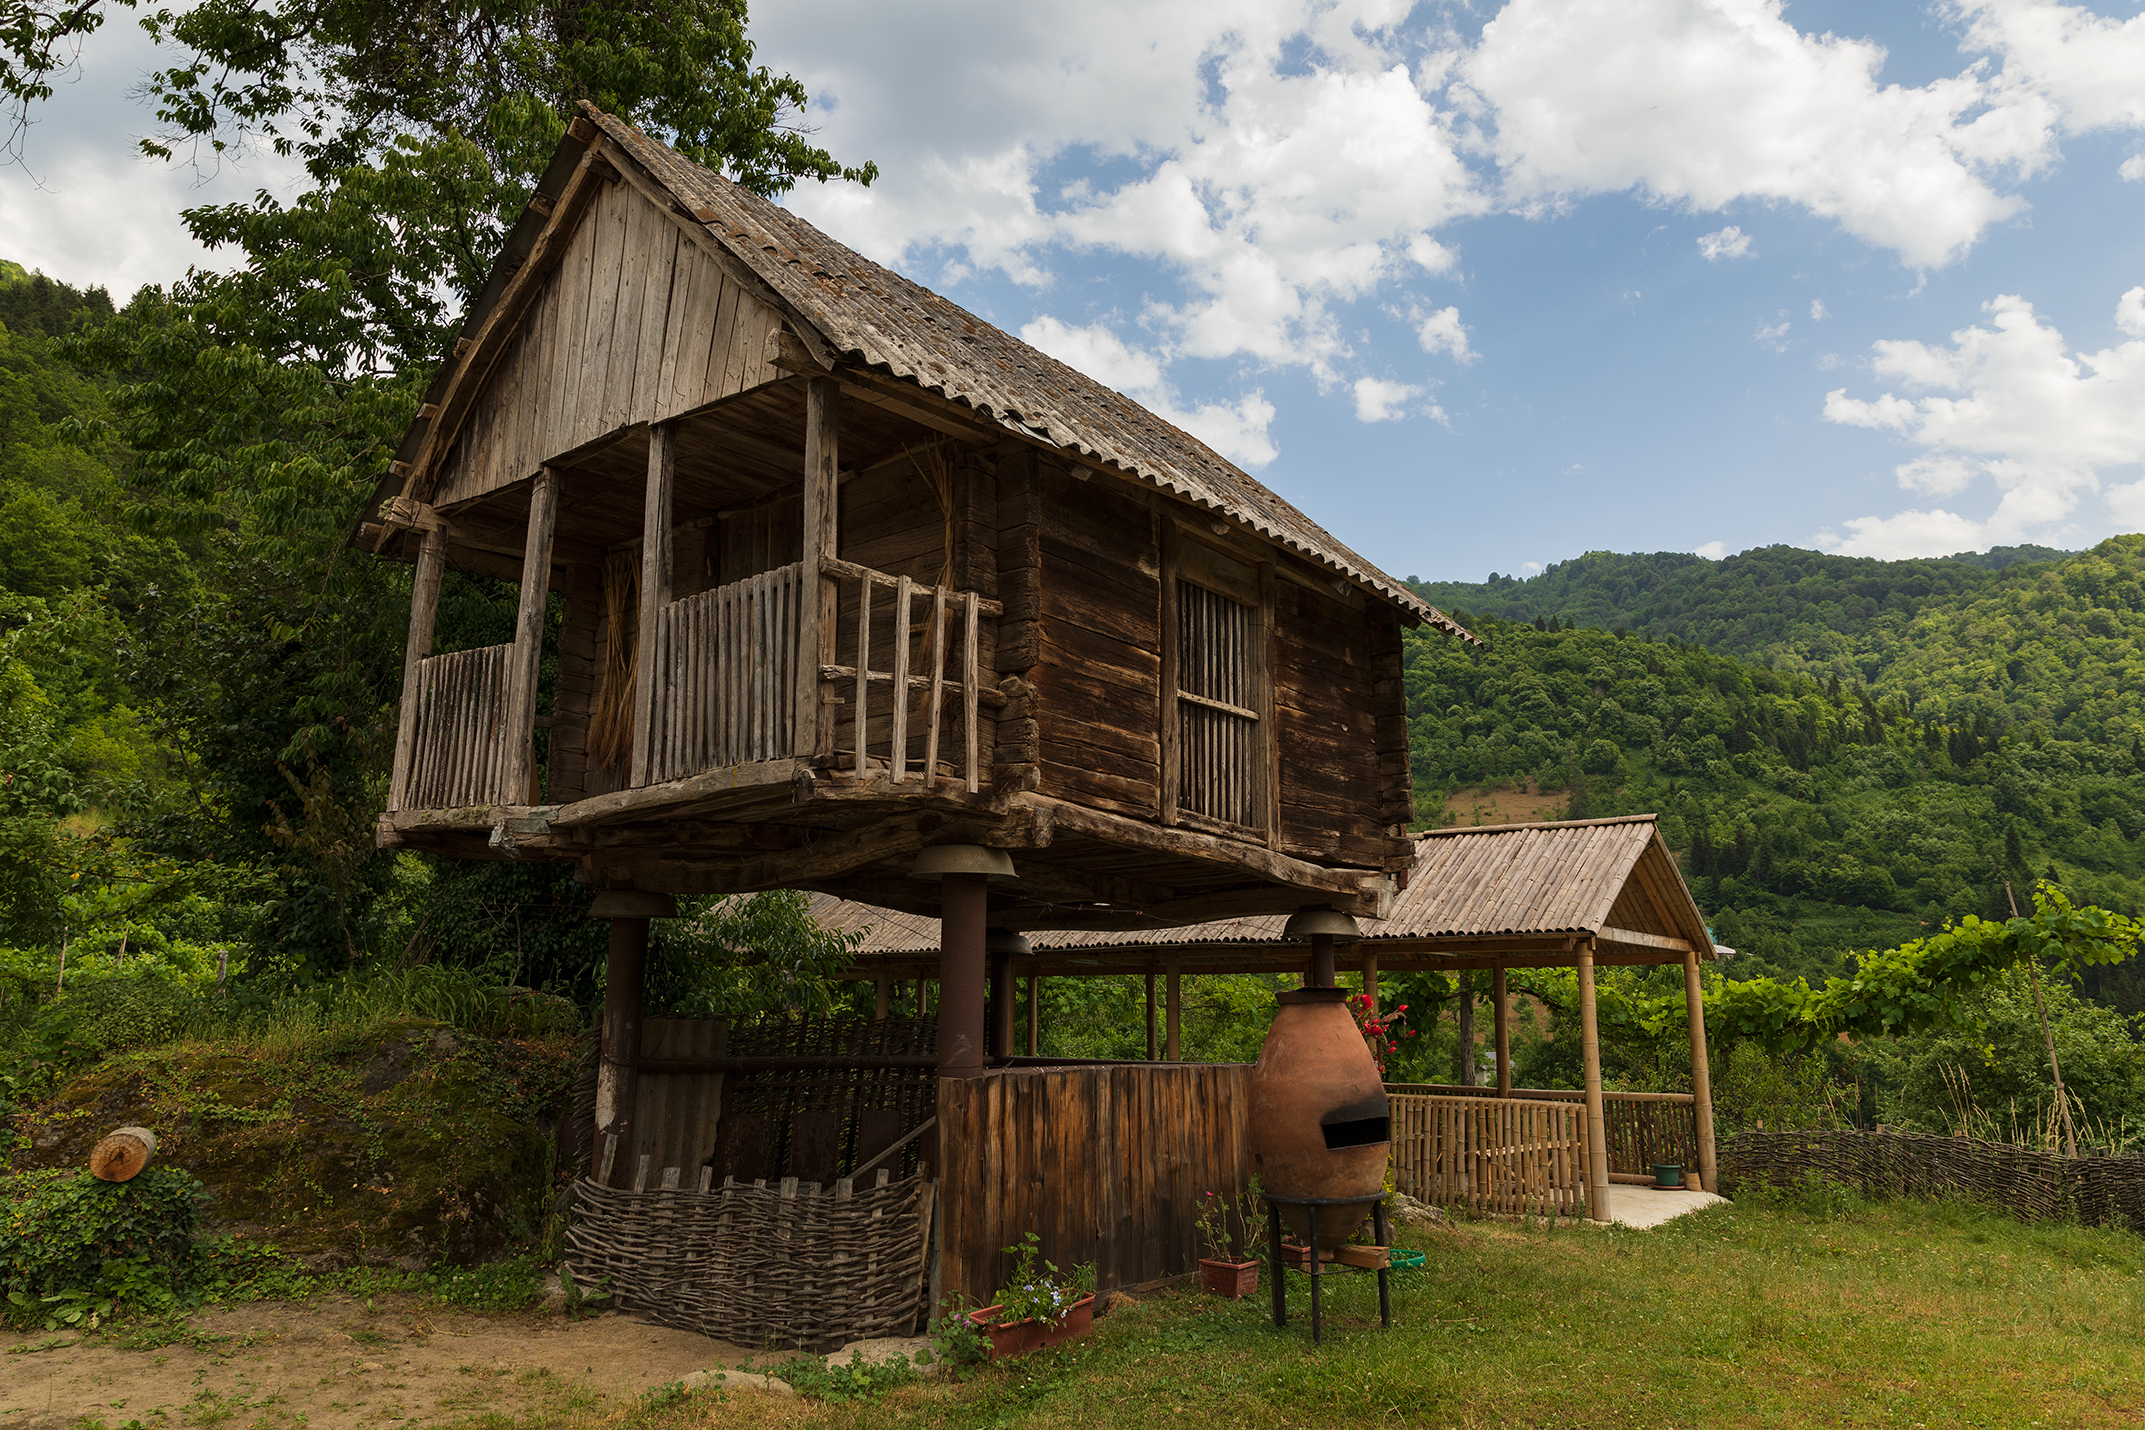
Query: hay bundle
(610, 728)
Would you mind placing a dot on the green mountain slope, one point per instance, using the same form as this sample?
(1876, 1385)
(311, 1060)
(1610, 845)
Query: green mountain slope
(1852, 776)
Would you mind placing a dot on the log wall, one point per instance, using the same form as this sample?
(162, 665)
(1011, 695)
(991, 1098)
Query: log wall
(1099, 672)
(635, 324)
(1105, 1163)
(1332, 804)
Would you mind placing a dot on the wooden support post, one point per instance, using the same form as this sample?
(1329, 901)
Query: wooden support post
(1597, 1127)
(822, 598)
(649, 670)
(1694, 1002)
(1321, 975)
(1464, 1072)
(881, 1005)
(518, 769)
(1504, 1032)
(963, 905)
(1001, 1043)
(618, 1068)
(1370, 980)
(1035, 990)
(424, 612)
(1172, 1018)
(1151, 1049)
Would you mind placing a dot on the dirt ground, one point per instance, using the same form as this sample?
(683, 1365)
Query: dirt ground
(334, 1362)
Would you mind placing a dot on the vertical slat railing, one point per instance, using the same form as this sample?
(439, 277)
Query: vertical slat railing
(920, 683)
(460, 747)
(726, 658)
(1506, 1155)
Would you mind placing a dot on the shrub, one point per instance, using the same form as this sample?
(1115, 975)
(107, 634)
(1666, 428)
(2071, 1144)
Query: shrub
(69, 1242)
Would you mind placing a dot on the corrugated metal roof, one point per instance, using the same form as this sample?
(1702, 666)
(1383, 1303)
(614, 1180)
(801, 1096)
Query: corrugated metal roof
(1524, 880)
(876, 317)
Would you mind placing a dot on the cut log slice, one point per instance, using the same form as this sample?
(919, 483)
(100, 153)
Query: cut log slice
(121, 1154)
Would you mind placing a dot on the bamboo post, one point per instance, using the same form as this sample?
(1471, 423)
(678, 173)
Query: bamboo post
(821, 599)
(518, 729)
(1172, 1043)
(1597, 1131)
(424, 612)
(1694, 1000)
(656, 522)
(1504, 1032)
(1465, 1073)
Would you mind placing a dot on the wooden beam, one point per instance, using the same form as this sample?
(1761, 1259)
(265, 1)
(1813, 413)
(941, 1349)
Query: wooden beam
(822, 541)
(1694, 1002)
(1597, 1127)
(657, 519)
(424, 613)
(518, 768)
(1635, 939)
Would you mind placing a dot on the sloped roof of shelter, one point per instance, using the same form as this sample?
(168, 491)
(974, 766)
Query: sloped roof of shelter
(872, 316)
(1514, 885)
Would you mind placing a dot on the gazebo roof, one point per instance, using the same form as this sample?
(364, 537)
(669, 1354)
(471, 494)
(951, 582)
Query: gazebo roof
(1517, 895)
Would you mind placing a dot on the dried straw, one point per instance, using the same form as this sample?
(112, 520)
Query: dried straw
(610, 729)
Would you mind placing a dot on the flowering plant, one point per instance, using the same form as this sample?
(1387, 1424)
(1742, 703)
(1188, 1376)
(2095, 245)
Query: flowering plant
(1035, 1292)
(1233, 1228)
(1381, 1031)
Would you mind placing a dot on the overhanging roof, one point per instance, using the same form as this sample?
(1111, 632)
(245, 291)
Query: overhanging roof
(1517, 895)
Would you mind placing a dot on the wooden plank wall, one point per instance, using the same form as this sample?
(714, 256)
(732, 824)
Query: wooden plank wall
(1331, 809)
(1105, 1163)
(1099, 677)
(635, 324)
(574, 695)
(674, 1114)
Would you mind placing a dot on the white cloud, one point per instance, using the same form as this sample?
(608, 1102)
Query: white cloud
(2132, 168)
(1729, 242)
(1706, 102)
(1378, 400)
(2009, 402)
(2083, 65)
(1239, 430)
(1818, 311)
(1531, 568)
(1773, 335)
(1711, 551)
(1443, 332)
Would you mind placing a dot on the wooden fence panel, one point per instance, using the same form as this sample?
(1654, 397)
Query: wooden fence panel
(1510, 1155)
(727, 659)
(460, 746)
(1105, 1163)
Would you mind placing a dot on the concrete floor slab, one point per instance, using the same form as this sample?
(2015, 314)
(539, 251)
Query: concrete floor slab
(1643, 1207)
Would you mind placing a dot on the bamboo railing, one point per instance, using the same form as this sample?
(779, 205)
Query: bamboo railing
(1498, 1154)
(1644, 1128)
(459, 750)
(729, 658)
(912, 678)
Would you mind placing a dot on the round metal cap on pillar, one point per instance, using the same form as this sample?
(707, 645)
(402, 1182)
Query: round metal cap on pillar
(1323, 927)
(965, 873)
(1009, 943)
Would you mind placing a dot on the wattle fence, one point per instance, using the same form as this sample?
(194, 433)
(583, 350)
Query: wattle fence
(2031, 1185)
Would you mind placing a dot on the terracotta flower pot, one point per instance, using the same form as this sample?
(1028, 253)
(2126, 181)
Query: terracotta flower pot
(1014, 1338)
(1234, 1279)
(1320, 1123)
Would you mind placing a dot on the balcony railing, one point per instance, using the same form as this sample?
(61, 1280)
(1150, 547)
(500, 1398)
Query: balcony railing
(460, 746)
(730, 694)
(1526, 1151)
(911, 684)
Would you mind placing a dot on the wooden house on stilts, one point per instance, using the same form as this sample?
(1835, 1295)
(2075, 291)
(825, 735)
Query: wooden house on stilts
(864, 596)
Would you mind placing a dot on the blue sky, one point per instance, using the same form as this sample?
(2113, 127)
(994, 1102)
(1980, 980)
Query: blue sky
(1483, 287)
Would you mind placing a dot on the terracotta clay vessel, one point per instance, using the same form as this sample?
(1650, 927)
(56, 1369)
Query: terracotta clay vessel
(1320, 1124)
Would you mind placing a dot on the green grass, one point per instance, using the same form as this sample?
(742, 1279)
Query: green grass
(1815, 1310)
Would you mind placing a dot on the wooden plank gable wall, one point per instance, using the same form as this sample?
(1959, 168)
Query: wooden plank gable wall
(635, 324)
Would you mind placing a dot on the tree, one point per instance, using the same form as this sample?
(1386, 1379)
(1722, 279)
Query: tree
(263, 403)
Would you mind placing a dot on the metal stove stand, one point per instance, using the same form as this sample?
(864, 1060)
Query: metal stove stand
(1317, 1270)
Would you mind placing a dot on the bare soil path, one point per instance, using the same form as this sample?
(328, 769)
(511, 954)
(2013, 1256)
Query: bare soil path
(336, 1363)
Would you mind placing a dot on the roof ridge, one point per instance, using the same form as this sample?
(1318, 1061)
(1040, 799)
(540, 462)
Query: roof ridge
(1537, 824)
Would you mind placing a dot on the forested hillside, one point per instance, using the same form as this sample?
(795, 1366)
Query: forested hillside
(1858, 751)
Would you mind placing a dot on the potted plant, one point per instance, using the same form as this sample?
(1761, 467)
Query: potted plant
(1038, 1305)
(1233, 1233)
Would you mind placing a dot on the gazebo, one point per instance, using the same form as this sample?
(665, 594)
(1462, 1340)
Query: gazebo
(1578, 894)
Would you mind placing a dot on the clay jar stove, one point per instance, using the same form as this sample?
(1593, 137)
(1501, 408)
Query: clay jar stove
(1320, 1124)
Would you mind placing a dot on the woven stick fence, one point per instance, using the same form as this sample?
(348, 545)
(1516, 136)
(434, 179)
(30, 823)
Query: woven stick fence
(2030, 1184)
(788, 1265)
